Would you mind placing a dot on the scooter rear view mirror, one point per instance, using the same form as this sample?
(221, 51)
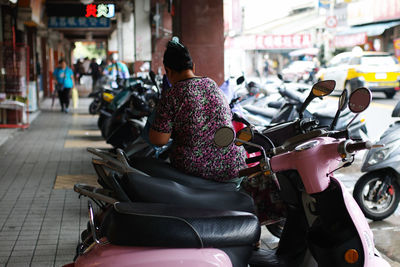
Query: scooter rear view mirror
(323, 88)
(343, 99)
(245, 134)
(342, 105)
(224, 136)
(360, 99)
(319, 89)
(240, 80)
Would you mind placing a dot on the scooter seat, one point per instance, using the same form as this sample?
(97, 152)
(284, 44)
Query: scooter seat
(141, 188)
(161, 169)
(292, 95)
(329, 113)
(276, 104)
(264, 111)
(163, 225)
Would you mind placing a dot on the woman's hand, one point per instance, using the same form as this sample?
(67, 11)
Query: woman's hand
(158, 138)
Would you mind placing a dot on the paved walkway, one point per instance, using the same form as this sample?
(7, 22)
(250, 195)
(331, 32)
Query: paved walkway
(39, 224)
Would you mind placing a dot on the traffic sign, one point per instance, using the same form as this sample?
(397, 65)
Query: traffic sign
(331, 22)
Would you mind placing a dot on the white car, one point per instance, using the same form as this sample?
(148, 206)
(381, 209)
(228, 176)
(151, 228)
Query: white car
(297, 70)
(378, 71)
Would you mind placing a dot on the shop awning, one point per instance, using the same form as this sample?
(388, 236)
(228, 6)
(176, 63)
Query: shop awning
(370, 30)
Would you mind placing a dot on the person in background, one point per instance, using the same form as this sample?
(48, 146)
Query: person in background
(117, 70)
(86, 65)
(190, 112)
(78, 69)
(95, 72)
(64, 78)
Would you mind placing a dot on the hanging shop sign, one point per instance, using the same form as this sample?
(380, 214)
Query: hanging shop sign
(100, 10)
(78, 22)
(350, 40)
(273, 41)
(396, 45)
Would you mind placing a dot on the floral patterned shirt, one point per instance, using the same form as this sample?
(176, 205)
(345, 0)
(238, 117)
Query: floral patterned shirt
(192, 110)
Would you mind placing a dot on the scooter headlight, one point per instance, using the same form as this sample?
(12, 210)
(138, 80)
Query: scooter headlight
(383, 153)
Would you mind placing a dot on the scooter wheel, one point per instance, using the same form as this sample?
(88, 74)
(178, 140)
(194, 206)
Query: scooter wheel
(93, 107)
(365, 195)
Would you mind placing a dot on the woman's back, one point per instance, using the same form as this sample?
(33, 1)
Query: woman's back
(193, 109)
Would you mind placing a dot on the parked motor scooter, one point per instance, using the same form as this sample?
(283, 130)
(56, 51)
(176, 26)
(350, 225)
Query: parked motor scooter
(287, 109)
(324, 226)
(102, 95)
(377, 192)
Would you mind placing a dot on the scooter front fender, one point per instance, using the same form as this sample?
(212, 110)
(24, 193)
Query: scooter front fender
(108, 255)
(391, 162)
(363, 229)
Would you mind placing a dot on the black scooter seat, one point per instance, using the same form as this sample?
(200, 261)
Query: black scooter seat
(161, 169)
(162, 225)
(264, 111)
(141, 188)
(329, 113)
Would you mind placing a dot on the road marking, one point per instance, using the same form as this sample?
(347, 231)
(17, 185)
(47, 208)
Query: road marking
(79, 143)
(386, 106)
(84, 133)
(68, 181)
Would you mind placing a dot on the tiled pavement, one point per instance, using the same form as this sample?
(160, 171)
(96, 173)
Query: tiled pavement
(40, 225)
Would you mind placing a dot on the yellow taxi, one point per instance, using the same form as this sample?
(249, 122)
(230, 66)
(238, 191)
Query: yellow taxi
(378, 71)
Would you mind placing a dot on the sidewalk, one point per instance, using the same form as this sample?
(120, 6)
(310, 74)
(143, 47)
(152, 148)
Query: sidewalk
(41, 217)
(40, 225)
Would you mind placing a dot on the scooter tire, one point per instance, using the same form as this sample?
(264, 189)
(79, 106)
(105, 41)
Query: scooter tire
(93, 107)
(371, 212)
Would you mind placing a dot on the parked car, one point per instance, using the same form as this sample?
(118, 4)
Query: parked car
(298, 70)
(378, 71)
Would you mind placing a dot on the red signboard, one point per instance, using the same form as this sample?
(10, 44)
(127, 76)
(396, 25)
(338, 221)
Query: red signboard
(273, 41)
(350, 40)
(396, 45)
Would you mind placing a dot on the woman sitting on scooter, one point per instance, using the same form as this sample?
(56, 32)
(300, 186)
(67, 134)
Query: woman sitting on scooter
(190, 112)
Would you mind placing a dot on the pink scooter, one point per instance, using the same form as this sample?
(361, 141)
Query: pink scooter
(324, 226)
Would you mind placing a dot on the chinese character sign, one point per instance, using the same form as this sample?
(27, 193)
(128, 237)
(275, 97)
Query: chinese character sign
(100, 10)
(251, 42)
(396, 45)
(78, 22)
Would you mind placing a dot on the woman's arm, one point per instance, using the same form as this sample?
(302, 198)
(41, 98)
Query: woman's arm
(158, 138)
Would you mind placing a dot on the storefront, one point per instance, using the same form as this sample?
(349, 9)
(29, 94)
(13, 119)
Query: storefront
(251, 53)
(374, 29)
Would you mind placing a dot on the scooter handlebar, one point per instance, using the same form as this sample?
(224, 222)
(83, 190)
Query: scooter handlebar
(353, 147)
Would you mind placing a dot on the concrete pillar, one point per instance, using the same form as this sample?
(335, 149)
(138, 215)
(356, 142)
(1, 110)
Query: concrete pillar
(200, 26)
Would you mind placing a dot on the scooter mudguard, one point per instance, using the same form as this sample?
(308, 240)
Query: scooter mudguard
(364, 232)
(378, 261)
(108, 255)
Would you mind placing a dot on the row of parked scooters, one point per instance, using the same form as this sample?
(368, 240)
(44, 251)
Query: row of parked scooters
(149, 214)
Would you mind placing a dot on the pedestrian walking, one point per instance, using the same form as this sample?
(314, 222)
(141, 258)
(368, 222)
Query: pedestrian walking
(64, 77)
(95, 72)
